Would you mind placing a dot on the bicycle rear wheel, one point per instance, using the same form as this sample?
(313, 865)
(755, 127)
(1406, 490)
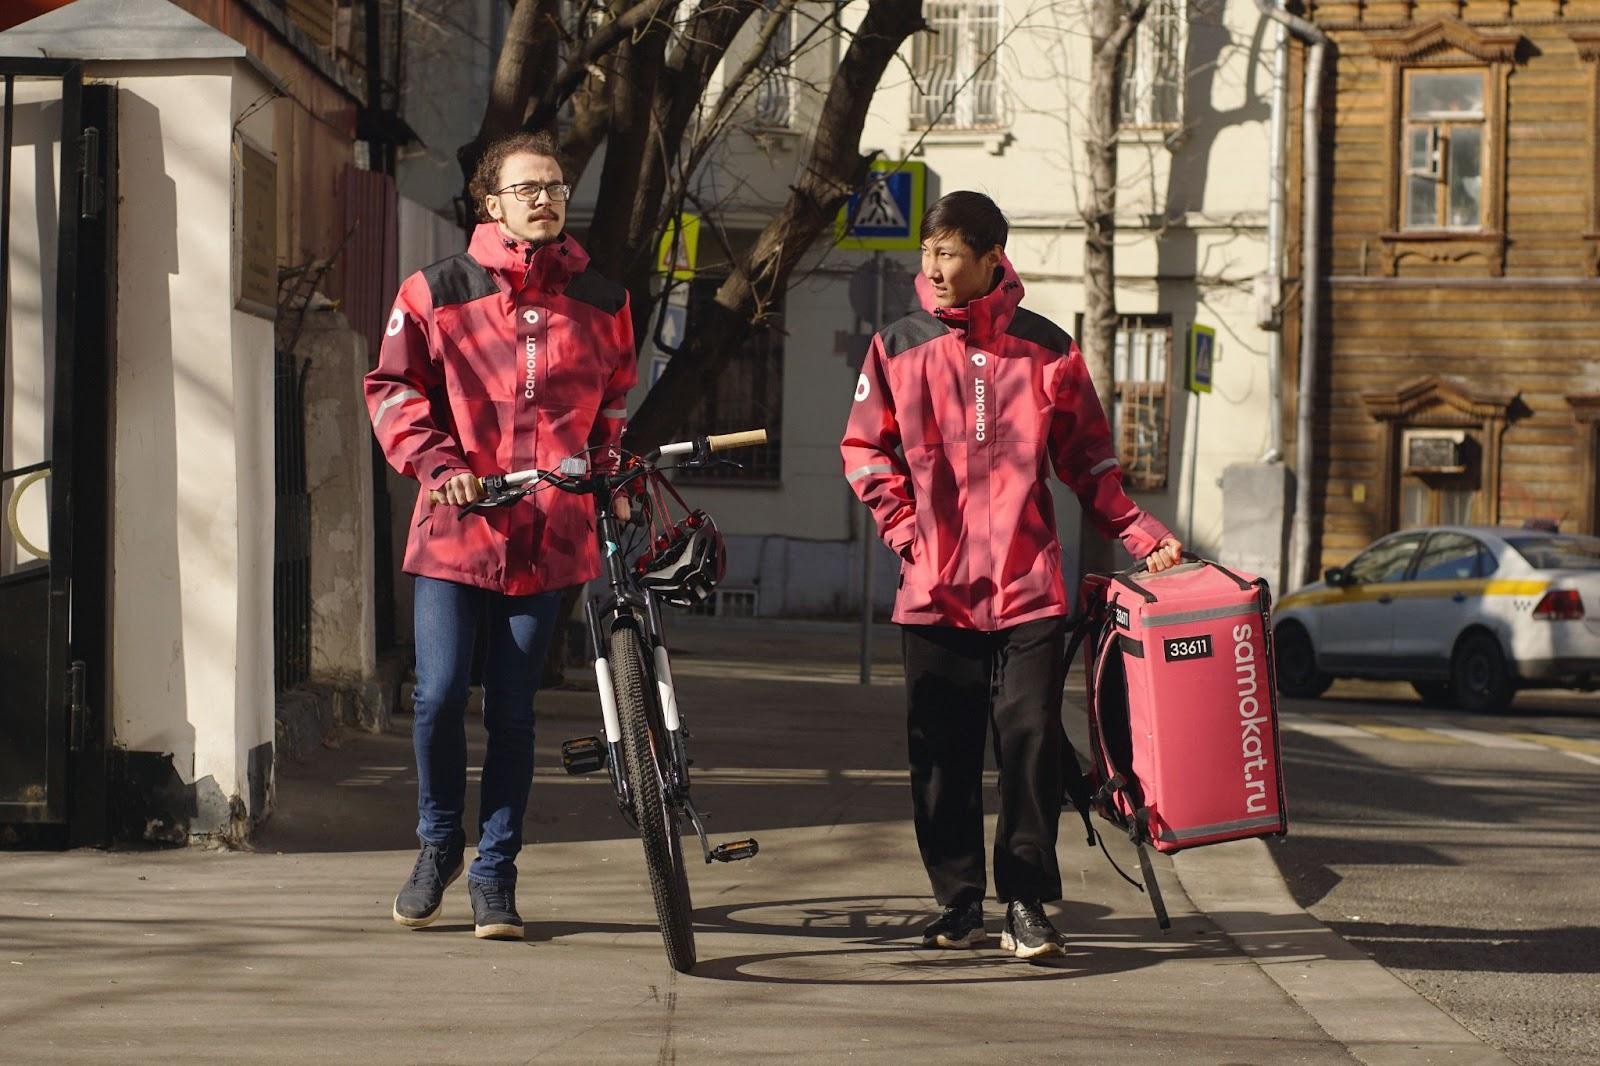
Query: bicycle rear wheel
(644, 747)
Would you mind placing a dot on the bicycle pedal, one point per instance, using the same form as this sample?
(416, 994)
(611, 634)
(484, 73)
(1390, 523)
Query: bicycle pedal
(583, 755)
(734, 850)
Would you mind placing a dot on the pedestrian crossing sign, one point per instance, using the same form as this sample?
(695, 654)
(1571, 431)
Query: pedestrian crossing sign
(884, 215)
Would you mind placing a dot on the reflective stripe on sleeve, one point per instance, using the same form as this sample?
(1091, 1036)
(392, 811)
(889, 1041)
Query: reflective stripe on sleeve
(871, 468)
(400, 397)
(1102, 466)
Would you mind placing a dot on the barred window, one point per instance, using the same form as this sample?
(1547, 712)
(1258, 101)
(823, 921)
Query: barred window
(1152, 67)
(748, 394)
(774, 96)
(1142, 412)
(956, 76)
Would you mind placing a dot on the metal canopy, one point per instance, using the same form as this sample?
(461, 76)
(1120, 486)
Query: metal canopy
(118, 29)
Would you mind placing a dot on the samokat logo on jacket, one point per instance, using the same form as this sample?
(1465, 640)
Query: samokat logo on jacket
(980, 410)
(863, 388)
(530, 330)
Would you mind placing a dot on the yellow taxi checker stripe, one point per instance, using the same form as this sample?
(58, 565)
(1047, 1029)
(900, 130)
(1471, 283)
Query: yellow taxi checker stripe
(1581, 745)
(1408, 734)
(1414, 590)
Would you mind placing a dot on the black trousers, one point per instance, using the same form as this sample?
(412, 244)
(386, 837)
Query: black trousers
(963, 686)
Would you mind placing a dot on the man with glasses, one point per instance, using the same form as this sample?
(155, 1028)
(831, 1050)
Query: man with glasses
(508, 356)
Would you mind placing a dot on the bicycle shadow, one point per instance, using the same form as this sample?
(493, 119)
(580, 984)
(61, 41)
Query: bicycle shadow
(876, 941)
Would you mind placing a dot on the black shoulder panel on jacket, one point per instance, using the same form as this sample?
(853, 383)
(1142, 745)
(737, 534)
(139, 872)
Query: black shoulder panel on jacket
(458, 280)
(1039, 330)
(597, 291)
(917, 328)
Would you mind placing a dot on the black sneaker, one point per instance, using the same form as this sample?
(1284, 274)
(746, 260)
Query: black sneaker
(494, 910)
(960, 926)
(1028, 933)
(422, 896)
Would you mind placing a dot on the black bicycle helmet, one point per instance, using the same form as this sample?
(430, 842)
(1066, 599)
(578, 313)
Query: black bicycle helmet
(686, 563)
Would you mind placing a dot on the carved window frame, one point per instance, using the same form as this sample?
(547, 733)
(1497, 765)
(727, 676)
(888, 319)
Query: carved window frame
(1586, 412)
(1438, 403)
(1587, 41)
(1446, 44)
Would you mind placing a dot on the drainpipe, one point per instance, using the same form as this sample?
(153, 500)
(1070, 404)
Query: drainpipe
(1310, 280)
(1273, 320)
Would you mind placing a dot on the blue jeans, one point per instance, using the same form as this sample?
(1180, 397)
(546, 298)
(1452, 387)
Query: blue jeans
(519, 630)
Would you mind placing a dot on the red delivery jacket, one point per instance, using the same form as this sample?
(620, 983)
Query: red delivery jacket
(503, 358)
(959, 415)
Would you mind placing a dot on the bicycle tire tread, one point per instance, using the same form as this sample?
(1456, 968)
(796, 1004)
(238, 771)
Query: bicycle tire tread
(668, 881)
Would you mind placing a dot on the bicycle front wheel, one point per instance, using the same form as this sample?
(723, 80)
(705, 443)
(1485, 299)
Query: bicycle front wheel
(644, 748)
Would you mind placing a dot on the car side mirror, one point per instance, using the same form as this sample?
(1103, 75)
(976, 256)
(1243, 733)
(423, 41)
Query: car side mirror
(1338, 577)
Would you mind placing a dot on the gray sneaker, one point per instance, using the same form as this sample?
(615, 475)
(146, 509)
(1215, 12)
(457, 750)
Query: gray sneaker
(422, 896)
(1028, 933)
(494, 910)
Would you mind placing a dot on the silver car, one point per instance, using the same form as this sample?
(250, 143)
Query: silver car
(1467, 614)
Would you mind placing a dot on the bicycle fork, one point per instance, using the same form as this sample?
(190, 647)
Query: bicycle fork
(585, 754)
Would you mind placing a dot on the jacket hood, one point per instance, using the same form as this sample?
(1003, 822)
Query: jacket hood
(986, 317)
(523, 263)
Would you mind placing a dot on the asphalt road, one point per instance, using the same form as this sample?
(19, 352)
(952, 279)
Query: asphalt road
(1460, 851)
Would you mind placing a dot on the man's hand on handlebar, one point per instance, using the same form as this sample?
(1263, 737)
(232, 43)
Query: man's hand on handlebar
(461, 490)
(622, 506)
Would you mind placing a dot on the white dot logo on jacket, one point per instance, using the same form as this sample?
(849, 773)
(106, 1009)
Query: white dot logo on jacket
(396, 321)
(863, 388)
(980, 359)
(530, 316)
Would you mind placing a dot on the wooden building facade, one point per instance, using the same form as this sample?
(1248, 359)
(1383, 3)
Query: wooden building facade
(1460, 345)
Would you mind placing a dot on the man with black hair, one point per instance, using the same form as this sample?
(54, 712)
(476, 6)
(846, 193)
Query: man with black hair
(961, 409)
(509, 356)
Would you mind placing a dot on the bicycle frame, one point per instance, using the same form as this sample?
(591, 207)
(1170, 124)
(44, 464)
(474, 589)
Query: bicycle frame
(626, 603)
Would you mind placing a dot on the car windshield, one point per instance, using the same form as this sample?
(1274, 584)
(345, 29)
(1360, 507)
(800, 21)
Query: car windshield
(1558, 552)
(1385, 561)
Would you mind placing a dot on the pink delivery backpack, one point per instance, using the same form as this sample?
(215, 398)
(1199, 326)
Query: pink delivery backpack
(1182, 704)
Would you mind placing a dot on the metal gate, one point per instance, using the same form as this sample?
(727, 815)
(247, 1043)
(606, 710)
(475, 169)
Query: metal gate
(57, 200)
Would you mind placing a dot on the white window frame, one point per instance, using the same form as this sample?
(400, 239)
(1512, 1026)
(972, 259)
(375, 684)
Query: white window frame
(1142, 366)
(964, 37)
(1141, 71)
(774, 97)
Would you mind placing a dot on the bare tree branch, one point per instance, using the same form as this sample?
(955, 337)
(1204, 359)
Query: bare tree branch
(833, 169)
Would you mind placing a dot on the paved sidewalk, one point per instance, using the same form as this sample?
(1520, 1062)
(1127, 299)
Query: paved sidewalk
(808, 952)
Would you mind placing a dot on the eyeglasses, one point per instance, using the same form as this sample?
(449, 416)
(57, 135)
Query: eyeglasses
(528, 191)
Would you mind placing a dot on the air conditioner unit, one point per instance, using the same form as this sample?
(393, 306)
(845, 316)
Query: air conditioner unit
(1433, 451)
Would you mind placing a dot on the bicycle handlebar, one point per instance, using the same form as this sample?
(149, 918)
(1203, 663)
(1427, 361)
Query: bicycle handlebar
(728, 441)
(720, 442)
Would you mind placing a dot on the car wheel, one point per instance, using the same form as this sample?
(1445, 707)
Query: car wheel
(1296, 662)
(1434, 693)
(1480, 675)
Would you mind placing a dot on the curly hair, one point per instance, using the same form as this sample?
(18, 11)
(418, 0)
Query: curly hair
(486, 177)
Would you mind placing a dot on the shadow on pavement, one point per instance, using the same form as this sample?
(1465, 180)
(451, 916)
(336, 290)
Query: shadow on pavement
(1483, 824)
(876, 940)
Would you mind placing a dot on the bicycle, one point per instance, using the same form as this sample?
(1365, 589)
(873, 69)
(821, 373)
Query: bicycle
(645, 746)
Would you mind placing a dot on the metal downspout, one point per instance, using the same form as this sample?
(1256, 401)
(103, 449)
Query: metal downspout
(1275, 224)
(1310, 280)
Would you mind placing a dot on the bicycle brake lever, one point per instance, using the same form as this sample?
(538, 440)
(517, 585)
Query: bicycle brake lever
(504, 498)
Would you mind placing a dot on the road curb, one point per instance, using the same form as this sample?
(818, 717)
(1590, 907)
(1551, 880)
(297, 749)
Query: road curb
(1380, 1019)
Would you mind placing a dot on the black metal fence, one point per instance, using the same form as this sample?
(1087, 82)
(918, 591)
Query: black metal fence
(291, 572)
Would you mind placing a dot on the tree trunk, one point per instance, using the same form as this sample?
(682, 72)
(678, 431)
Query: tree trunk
(1111, 27)
(833, 169)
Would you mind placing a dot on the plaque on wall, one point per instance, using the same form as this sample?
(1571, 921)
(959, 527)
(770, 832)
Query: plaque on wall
(255, 231)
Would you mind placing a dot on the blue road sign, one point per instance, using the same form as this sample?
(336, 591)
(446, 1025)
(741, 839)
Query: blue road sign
(884, 215)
